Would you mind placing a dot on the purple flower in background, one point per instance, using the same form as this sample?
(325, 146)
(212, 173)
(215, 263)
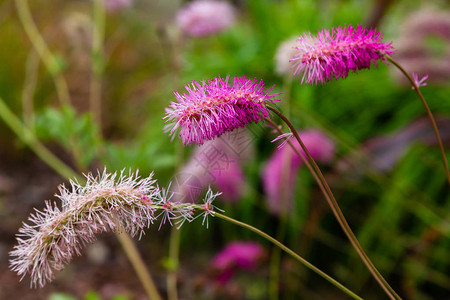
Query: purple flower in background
(203, 18)
(210, 108)
(116, 5)
(279, 172)
(333, 54)
(236, 255)
(230, 181)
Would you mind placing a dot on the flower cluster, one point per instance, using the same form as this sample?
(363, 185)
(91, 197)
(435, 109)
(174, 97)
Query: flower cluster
(333, 54)
(211, 108)
(203, 18)
(107, 202)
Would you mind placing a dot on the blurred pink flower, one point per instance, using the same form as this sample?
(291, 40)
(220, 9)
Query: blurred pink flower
(236, 255)
(204, 17)
(279, 172)
(116, 5)
(230, 181)
(218, 163)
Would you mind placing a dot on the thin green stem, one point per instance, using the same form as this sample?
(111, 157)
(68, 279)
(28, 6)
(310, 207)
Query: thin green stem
(174, 251)
(28, 138)
(62, 169)
(290, 252)
(29, 86)
(338, 213)
(51, 63)
(275, 257)
(429, 113)
(97, 57)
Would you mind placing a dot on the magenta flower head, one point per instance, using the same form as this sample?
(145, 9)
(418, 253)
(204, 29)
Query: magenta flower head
(331, 55)
(210, 108)
(203, 18)
(237, 255)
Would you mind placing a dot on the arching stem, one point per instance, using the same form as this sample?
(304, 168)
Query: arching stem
(429, 113)
(290, 252)
(338, 213)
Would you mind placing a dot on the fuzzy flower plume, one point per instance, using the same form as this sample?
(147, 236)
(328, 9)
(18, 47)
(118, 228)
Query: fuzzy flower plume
(107, 202)
(210, 108)
(204, 17)
(331, 55)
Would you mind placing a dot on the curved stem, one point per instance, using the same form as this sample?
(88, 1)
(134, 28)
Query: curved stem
(290, 252)
(41, 48)
(430, 115)
(29, 139)
(338, 213)
(65, 171)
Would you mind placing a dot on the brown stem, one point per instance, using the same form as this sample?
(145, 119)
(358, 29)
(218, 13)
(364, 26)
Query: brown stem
(338, 213)
(430, 114)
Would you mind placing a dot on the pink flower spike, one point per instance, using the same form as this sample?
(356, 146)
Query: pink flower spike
(331, 55)
(210, 108)
(420, 82)
(107, 202)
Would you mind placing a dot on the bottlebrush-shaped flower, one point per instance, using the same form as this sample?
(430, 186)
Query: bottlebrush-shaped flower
(333, 54)
(108, 202)
(203, 18)
(211, 108)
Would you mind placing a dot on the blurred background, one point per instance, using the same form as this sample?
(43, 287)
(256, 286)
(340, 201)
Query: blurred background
(90, 81)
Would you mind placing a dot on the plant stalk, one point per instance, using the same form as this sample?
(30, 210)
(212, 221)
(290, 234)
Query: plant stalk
(97, 58)
(138, 264)
(429, 113)
(28, 138)
(51, 63)
(338, 213)
(290, 252)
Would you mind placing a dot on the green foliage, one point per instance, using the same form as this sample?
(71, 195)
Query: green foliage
(400, 216)
(78, 134)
